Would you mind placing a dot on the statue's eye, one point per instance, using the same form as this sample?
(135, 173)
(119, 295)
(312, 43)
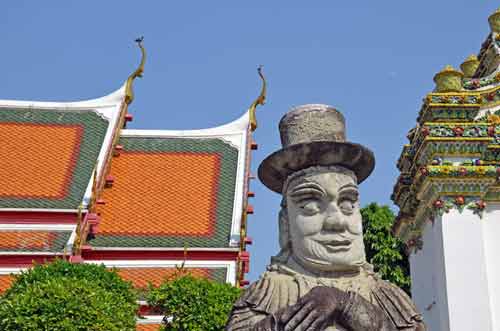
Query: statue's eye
(310, 207)
(347, 206)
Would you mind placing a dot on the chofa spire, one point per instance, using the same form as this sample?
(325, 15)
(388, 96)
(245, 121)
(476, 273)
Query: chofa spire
(129, 93)
(261, 99)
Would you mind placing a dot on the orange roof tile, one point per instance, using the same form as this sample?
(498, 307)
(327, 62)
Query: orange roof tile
(28, 166)
(31, 240)
(141, 277)
(23, 239)
(148, 327)
(161, 193)
(169, 192)
(5, 282)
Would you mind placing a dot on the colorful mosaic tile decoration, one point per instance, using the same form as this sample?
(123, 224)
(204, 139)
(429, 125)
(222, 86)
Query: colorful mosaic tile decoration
(452, 160)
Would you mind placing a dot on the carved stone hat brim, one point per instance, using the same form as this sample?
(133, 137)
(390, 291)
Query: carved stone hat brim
(274, 170)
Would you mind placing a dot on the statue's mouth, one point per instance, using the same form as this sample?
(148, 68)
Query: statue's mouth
(336, 245)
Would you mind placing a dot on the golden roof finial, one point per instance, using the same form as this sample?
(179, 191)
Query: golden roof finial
(448, 80)
(472, 57)
(261, 99)
(129, 93)
(469, 66)
(448, 69)
(494, 21)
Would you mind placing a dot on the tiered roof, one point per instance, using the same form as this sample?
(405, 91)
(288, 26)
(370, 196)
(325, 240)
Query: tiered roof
(174, 191)
(75, 183)
(174, 195)
(50, 151)
(452, 159)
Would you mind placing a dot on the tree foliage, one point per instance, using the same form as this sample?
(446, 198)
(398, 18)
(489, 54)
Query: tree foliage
(194, 304)
(61, 296)
(383, 250)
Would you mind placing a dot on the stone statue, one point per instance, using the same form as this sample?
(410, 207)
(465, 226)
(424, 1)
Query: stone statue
(320, 280)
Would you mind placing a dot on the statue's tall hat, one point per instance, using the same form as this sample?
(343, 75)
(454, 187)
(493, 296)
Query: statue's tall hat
(313, 135)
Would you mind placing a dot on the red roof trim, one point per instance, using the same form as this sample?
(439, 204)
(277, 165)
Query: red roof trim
(24, 260)
(160, 255)
(22, 217)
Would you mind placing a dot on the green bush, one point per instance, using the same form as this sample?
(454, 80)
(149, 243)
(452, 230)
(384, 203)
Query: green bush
(194, 304)
(383, 250)
(61, 296)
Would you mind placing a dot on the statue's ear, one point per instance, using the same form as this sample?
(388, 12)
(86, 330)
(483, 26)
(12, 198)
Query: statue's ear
(284, 236)
(284, 232)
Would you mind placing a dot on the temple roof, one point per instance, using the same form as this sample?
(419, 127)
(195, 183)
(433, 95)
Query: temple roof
(171, 188)
(33, 241)
(50, 150)
(149, 327)
(141, 277)
(75, 182)
(5, 282)
(39, 239)
(175, 189)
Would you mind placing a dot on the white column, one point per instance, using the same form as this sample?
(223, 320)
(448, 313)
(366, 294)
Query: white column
(491, 234)
(466, 280)
(429, 281)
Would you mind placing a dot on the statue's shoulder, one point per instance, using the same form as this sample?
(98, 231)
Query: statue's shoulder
(273, 290)
(397, 304)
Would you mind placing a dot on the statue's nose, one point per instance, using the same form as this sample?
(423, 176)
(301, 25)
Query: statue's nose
(334, 221)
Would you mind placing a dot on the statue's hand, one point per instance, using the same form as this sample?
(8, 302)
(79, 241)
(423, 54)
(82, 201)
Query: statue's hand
(316, 310)
(361, 315)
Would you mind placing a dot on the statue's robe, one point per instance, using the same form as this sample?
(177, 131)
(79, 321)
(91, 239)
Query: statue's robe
(281, 287)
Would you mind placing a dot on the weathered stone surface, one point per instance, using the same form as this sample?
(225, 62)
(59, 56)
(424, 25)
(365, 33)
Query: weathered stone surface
(314, 135)
(320, 279)
(313, 122)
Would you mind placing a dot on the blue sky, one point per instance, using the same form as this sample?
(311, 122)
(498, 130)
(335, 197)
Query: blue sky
(373, 60)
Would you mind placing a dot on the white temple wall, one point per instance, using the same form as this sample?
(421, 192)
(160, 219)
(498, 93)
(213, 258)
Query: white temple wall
(429, 281)
(466, 272)
(439, 276)
(456, 275)
(491, 233)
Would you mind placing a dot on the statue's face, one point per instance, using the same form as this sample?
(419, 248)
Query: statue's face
(324, 221)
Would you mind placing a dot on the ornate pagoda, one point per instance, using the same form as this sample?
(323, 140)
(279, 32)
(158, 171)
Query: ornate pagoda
(76, 184)
(449, 195)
